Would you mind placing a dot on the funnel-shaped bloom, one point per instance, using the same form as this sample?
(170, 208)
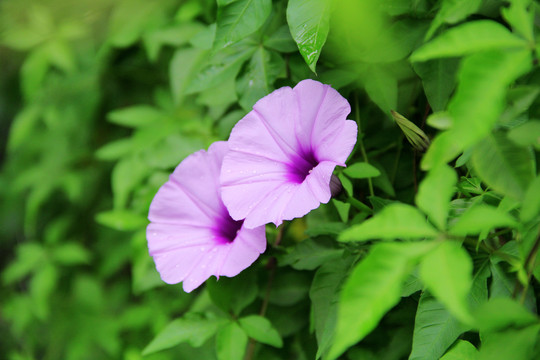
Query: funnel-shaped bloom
(191, 235)
(282, 154)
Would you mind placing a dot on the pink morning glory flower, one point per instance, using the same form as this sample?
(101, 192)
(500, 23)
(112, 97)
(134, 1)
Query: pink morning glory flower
(282, 154)
(191, 235)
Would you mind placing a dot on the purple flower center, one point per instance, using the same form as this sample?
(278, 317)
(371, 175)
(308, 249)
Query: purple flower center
(301, 167)
(227, 229)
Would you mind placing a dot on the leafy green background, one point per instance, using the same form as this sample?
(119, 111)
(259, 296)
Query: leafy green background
(430, 251)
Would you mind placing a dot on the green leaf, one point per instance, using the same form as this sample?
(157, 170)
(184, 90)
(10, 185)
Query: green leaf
(446, 272)
(531, 202)
(193, 329)
(395, 221)
(515, 344)
(224, 292)
(126, 175)
(183, 68)
(381, 85)
(175, 35)
(311, 253)
(124, 220)
(521, 19)
(435, 329)
(469, 38)
(342, 209)
(231, 342)
(505, 167)
(30, 256)
(136, 116)
(501, 313)
(260, 329)
(439, 80)
(221, 67)
(324, 297)
(281, 41)
(42, 286)
(463, 350)
(258, 81)
(238, 19)
(478, 102)
(71, 254)
(435, 192)
(374, 286)
(480, 218)
(527, 134)
(361, 170)
(451, 12)
(309, 23)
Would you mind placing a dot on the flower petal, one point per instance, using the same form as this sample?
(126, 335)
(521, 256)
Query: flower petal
(322, 111)
(282, 154)
(190, 229)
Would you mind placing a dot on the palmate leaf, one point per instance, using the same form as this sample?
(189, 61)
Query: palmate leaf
(309, 24)
(372, 289)
(478, 102)
(238, 19)
(469, 38)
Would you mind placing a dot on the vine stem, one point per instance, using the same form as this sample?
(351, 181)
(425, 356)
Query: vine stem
(272, 264)
(361, 141)
(529, 267)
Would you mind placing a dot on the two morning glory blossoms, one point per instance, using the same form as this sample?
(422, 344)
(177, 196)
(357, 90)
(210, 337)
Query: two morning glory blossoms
(209, 218)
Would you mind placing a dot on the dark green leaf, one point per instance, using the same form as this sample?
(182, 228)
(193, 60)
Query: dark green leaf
(238, 19)
(435, 329)
(531, 203)
(439, 80)
(309, 24)
(324, 297)
(224, 292)
(501, 313)
(311, 253)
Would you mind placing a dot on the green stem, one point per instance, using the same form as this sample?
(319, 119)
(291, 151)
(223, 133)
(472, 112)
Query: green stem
(361, 141)
(272, 264)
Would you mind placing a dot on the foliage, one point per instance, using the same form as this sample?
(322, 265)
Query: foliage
(421, 256)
